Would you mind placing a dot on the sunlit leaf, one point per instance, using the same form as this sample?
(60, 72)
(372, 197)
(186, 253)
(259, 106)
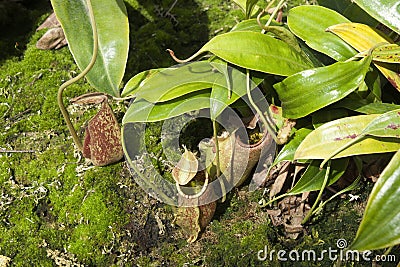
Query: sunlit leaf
(389, 53)
(143, 111)
(177, 81)
(113, 35)
(334, 135)
(136, 81)
(313, 89)
(256, 51)
(313, 177)
(380, 226)
(385, 11)
(362, 37)
(363, 106)
(288, 151)
(385, 125)
(310, 22)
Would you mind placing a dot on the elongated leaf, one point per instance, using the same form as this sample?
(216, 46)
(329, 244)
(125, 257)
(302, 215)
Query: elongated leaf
(313, 177)
(113, 31)
(380, 226)
(310, 90)
(177, 81)
(136, 81)
(252, 25)
(385, 125)
(389, 53)
(328, 138)
(143, 111)
(310, 22)
(288, 151)
(256, 51)
(247, 6)
(363, 38)
(385, 11)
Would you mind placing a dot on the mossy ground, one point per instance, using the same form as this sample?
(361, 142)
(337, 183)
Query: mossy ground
(57, 209)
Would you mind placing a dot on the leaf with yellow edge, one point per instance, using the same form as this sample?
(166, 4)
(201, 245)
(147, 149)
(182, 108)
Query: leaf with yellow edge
(389, 53)
(325, 141)
(362, 37)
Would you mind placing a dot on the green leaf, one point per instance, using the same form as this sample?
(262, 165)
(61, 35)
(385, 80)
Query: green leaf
(256, 51)
(380, 226)
(330, 137)
(288, 151)
(247, 6)
(385, 125)
(143, 111)
(385, 11)
(136, 81)
(363, 106)
(388, 53)
(252, 25)
(113, 36)
(313, 177)
(177, 81)
(310, 22)
(363, 38)
(311, 90)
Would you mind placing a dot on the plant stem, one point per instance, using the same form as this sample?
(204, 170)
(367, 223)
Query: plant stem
(253, 104)
(328, 170)
(64, 111)
(273, 14)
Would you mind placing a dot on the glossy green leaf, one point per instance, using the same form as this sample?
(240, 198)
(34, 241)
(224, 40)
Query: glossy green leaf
(385, 125)
(311, 90)
(313, 177)
(334, 135)
(136, 81)
(288, 151)
(310, 22)
(143, 111)
(380, 226)
(177, 81)
(247, 6)
(385, 11)
(256, 51)
(113, 36)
